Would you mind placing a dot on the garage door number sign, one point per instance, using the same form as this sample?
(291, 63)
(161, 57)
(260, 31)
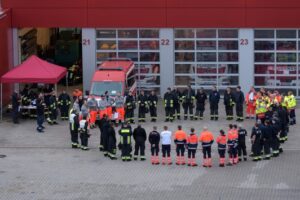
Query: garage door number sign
(244, 42)
(165, 42)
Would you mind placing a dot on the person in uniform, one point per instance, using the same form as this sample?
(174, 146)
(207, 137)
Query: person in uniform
(166, 139)
(229, 103)
(188, 98)
(101, 124)
(64, 102)
(256, 136)
(15, 107)
(40, 111)
(239, 102)
(125, 141)
(129, 108)
(242, 133)
(250, 103)
(74, 126)
(84, 133)
(140, 137)
(112, 142)
(143, 106)
(291, 103)
(207, 139)
(221, 141)
(93, 110)
(192, 144)
(177, 98)
(25, 101)
(180, 139)
(53, 109)
(169, 105)
(214, 98)
(154, 138)
(232, 144)
(201, 97)
(267, 138)
(152, 101)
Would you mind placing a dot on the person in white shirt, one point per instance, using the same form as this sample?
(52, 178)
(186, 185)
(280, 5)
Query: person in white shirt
(166, 139)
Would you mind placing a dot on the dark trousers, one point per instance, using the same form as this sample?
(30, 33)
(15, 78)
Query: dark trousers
(214, 110)
(242, 149)
(221, 153)
(229, 111)
(154, 149)
(166, 150)
(206, 152)
(188, 108)
(84, 139)
(267, 147)
(180, 149)
(232, 151)
(239, 111)
(292, 117)
(199, 111)
(64, 112)
(15, 115)
(53, 115)
(105, 143)
(257, 147)
(142, 113)
(176, 110)
(139, 146)
(40, 120)
(191, 153)
(126, 150)
(129, 114)
(153, 112)
(74, 136)
(275, 143)
(169, 113)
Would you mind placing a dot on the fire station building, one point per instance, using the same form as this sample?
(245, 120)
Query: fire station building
(173, 42)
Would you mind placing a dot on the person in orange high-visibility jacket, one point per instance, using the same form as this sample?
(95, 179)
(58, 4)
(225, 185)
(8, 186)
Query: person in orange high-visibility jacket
(180, 139)
(207, 139)
(192, 144)
(119, 104)
(250, 102)
(222, 140)
(77, 93)
(232, 138)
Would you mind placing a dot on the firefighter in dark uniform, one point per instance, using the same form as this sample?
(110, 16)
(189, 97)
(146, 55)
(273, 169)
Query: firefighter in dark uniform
(125, 142)
(201, 97)
(152, 101)
(256, 136)
(104, 136)
(84, 133)
(64, 102)
(229, 103)
(283, 122)
(177, 98)
(112, 146)
(169, 105)
(74, 126)
(140, 137)
(40, 112)
(242, 133)
(32, 97)
(101, 123)
(275, 144)
(143, 106)
(154, 138)
(47, 94)
(15, 107)
(188, 98)
(53, 109)
(129, 108)
(239, 102)
(214, 98)
(267, 138)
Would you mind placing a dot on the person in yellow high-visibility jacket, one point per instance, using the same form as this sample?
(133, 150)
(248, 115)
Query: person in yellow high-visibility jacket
(260, 107)
(290, 102)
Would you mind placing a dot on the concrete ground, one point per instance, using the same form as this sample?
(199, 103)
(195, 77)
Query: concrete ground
(43, 166)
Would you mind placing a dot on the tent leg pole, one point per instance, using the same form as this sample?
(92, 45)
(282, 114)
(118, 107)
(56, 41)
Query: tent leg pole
(1, 101)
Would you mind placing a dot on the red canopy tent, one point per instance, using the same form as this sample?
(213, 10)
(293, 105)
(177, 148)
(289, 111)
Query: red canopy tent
(34, 70)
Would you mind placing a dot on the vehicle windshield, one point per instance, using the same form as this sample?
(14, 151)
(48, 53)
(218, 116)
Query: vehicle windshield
(99, 88)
